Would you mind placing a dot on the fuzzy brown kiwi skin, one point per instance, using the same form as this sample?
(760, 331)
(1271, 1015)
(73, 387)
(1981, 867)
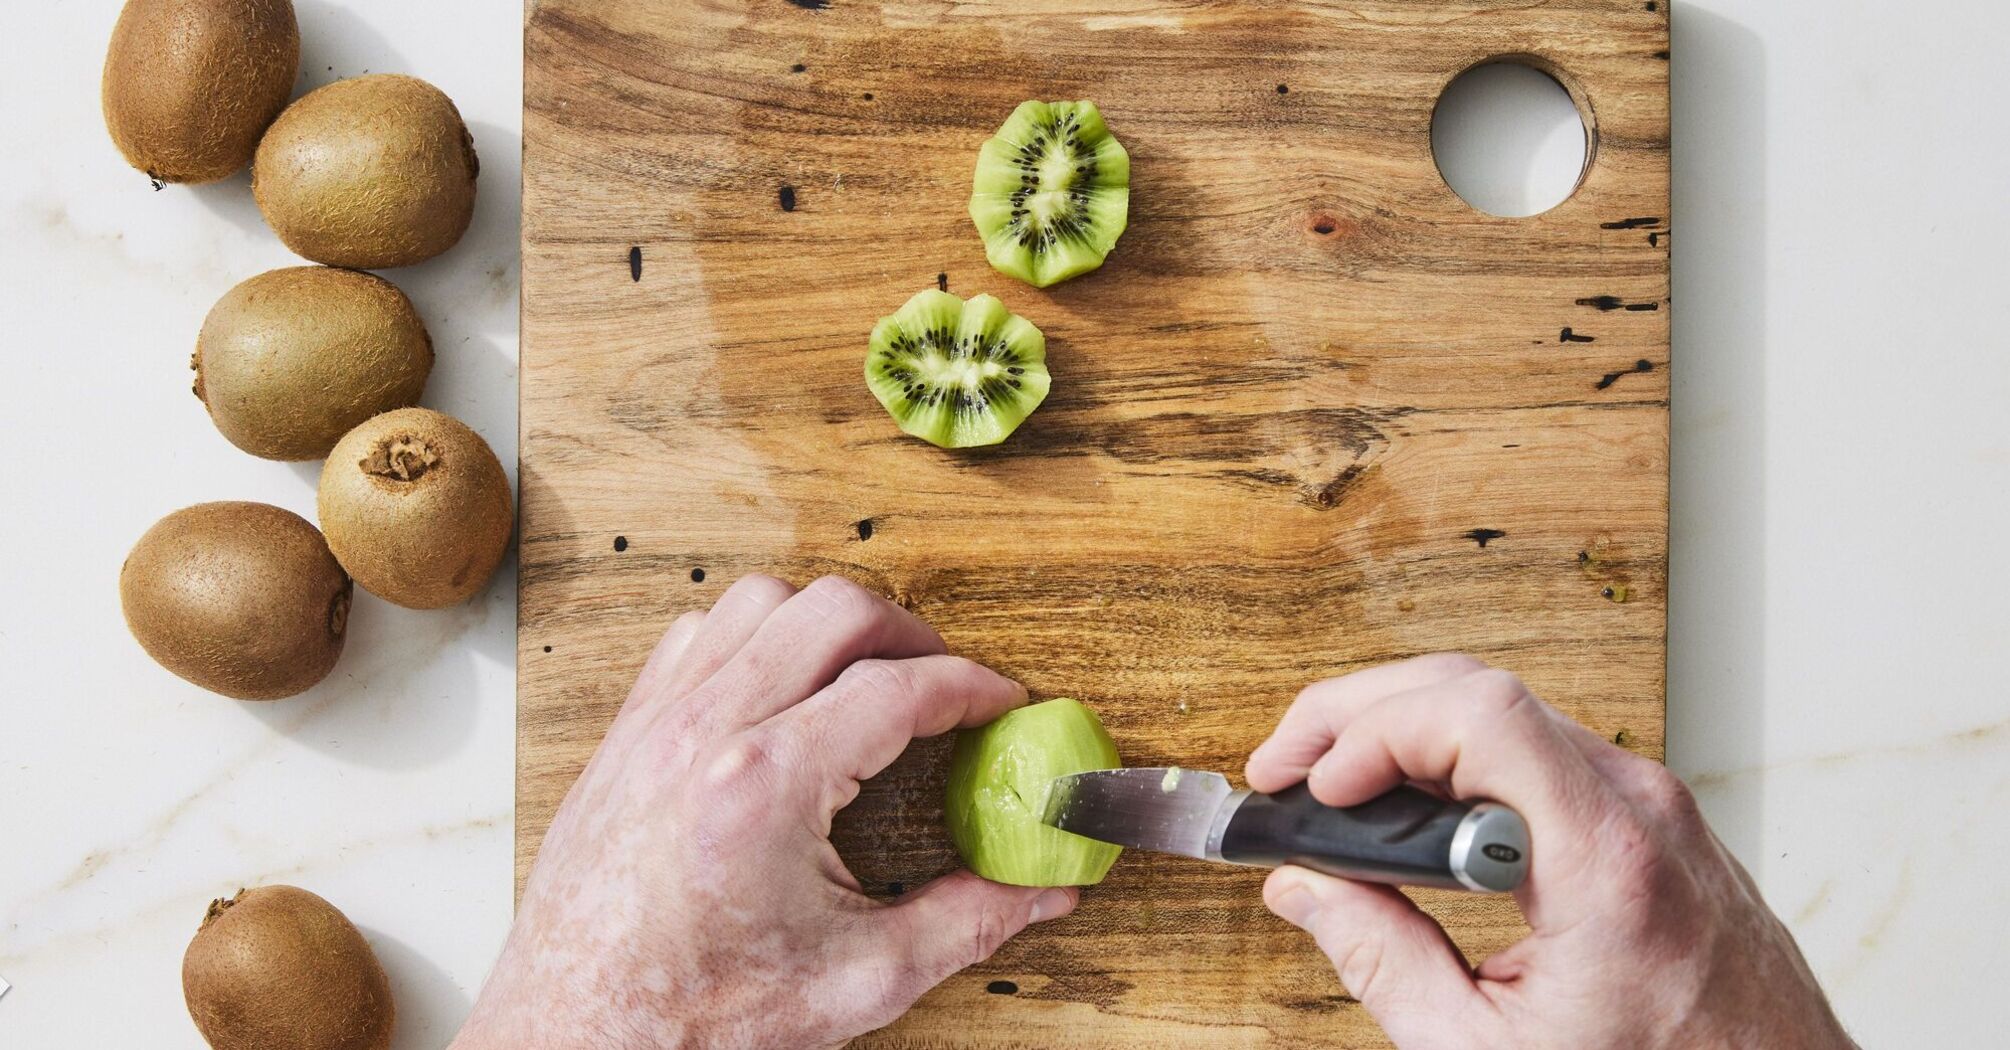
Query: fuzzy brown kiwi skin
(416, 507)
(242, 599)
(277, 966)
(370, 172)
(290, 360)
(190, 85)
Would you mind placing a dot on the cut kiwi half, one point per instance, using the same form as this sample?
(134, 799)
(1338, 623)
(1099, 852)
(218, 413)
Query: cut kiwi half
(1052, 192)
(954, 373)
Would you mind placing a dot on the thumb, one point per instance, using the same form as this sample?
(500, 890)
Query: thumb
(960, 919)
(1390, 955)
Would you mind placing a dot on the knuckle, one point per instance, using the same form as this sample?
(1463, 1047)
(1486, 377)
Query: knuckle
(1451, 665)
(994, 925)
(758, 589)
(1666, 795)
(876, 678)
(1496, 692)
(1359, 964)
(739, 766)
(841, 601)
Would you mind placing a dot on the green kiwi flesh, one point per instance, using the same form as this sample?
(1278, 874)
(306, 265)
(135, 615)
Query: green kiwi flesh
(999, 776)
(957, 374)
(1052, 192)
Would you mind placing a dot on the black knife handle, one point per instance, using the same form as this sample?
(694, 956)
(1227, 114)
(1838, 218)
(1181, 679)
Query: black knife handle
(1405, 838)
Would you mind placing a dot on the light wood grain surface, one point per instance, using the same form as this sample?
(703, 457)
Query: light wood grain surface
(1314, 413)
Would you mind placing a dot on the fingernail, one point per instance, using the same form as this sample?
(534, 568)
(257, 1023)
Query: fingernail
(1049, 905)
(1293, 902)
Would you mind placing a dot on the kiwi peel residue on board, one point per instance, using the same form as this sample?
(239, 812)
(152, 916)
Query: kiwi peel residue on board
(957, 374)
(1052, 192)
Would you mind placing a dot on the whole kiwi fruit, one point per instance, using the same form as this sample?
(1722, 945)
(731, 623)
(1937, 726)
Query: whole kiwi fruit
(190, 85)
(277, 966)
(290, 360)
(242, 599)
(369, 172)
(416, 508)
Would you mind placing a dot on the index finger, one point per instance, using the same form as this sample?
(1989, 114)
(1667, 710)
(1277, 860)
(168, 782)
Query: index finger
(857, 726)
(1315, 717)
(1486, 736)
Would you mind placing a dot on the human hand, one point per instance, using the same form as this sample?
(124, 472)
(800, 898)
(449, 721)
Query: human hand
(687, 894)
(1647, 934)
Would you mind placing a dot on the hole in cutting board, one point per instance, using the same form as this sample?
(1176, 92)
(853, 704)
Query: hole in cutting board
(1510, 139)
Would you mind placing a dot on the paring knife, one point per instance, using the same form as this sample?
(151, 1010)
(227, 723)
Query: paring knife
(1405, 838)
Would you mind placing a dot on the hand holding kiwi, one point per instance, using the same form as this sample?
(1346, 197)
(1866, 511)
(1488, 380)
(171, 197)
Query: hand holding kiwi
(291, 360)
(190, 85)
(278, 967)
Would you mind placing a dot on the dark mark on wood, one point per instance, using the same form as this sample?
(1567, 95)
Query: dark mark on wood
(1620, 738)
(865, 528)
(1002, 988)
(1568, 336)
(1284, 89)
(1320, 1004)
(867, 96)
(547, 648)
(1510, 446)
(1631, 224)
(797, 68)
(1654, 240)
(811, 5)
(1642, 365)
(1662, 55)
(942, 281)
(1481, 536)
(1653, 5)
(788, 198)
(1613, 302)
(635, 263)
(697, 576)
(620, 543)
(1323, 226)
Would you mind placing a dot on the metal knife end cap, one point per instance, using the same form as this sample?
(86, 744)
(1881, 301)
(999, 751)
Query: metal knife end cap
(1490, 849)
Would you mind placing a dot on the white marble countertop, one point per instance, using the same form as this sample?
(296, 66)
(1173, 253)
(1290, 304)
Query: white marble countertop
(1840, 650)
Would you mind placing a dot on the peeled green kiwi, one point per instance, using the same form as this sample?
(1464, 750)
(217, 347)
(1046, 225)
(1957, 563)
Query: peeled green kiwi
(1052, 192)
(999, 775)
(416, 507)
(369, 172)
(291, 360)
(277, 967)
(242, 599)
(190, 85)
(957, 373)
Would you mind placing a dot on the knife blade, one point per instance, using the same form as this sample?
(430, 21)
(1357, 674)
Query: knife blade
(1405, 837)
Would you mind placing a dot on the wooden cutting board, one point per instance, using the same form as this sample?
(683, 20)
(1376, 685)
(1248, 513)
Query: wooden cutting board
(1315, 413)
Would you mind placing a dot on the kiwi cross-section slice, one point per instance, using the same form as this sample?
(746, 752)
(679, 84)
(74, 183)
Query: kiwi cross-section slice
(1052, 192)
(957, 373)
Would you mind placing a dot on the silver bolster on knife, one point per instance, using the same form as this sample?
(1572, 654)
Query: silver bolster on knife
(1221, 818)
